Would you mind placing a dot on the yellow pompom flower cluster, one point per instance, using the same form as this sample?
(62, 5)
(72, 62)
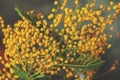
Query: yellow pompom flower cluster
(1, 22)
(36, 49)
(50, 48)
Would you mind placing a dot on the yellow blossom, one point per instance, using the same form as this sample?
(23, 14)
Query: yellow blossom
(56, 46)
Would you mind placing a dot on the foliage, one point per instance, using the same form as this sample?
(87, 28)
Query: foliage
(68, 40)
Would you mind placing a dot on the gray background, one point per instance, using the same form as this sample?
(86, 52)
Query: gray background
(44, 6)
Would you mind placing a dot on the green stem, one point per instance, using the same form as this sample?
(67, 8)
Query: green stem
(69, 65)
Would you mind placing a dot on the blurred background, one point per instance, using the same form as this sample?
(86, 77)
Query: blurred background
(44, 6)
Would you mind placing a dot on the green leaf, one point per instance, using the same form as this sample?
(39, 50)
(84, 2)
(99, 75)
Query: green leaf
(31, 67)
(39, 76)
(37, 73)
(32, 19)
(87, 62)
(21, 73)
(21, 13)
